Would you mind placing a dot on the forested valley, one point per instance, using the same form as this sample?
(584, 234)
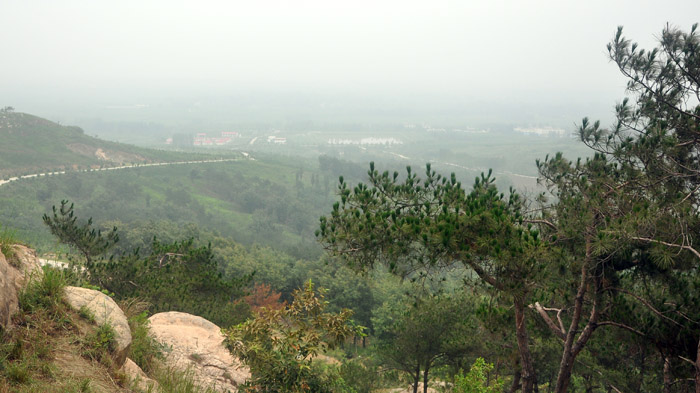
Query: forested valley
(331, 275)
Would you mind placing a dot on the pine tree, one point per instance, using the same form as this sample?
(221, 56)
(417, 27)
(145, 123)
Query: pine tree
(83, 237)
(419, 226)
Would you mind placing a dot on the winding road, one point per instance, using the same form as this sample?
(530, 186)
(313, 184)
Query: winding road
(114, 168)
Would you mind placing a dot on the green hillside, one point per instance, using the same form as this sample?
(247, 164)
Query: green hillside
(30, 144)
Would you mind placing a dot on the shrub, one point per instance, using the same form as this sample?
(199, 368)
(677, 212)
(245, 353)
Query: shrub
(363, 376)
(476, 380)
(279, 345)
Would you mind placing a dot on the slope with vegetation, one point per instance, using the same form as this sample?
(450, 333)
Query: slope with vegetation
(31, 144)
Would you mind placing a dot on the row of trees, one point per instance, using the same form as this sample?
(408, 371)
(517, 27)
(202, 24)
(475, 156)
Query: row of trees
(610, 246)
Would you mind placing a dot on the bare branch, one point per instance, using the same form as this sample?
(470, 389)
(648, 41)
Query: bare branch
(541, 221)
(622, 326)
(649, 305)
(681, 246)
(557, 330)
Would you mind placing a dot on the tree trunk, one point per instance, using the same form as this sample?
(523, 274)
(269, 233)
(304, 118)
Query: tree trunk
(668, 380)
(516, 382)
(529, 380)
(643, 369)
(697, 370)
(416, 379)
(572, 345)
(565, 368)
(425, 380)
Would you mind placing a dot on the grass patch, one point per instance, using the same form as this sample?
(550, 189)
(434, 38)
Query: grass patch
(146, 352)
(86, 314)
(43, 352)
(100, 344)
(8, 237)
(82, 386)
(18, 373)
(176, 381)
(25, 352)
(45, 294)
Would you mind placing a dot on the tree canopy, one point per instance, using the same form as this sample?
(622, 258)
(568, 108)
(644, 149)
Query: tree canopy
(595, 251)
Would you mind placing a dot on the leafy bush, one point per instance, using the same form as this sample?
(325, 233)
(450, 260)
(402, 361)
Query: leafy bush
(363, 375)
(476, 380)
(279, 345)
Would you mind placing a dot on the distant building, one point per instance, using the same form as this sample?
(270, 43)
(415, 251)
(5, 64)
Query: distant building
(276, 139)
(202, 139)
(365, 141)
(542, 131)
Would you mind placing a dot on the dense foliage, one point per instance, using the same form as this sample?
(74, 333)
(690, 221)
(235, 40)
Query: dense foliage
(201, 288)
(279, 345)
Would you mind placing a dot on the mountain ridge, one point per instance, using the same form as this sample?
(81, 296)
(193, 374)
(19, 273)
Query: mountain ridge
(32, 144)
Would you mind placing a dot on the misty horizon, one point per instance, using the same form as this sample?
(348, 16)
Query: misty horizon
(538, 63)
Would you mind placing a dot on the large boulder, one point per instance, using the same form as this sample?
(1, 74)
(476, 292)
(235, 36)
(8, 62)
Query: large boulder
(27, 263)
(138, 380)
(16, 270)
(8, 293)
(105, 310)
(197, 345)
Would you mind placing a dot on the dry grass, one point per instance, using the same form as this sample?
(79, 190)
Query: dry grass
(133, 306)
(42, 352)
(50, 357)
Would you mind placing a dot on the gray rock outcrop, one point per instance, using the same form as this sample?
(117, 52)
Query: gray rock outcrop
(15, 273)
(105, 310)
(28, 263)
(197, 345)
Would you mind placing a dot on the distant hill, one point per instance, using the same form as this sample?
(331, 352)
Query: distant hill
(30, 144)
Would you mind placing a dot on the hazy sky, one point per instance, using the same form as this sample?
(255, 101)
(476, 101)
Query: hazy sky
(121, 52)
